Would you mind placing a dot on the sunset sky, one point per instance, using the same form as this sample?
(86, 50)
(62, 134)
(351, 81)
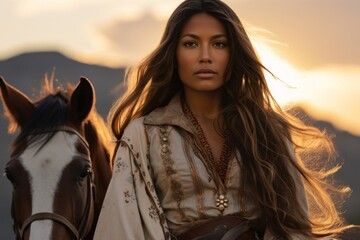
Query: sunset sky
(311, 45)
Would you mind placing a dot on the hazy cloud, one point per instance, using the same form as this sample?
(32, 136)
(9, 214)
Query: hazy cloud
(316, 33)
(133, 39)
(332, 94)
(34, 7)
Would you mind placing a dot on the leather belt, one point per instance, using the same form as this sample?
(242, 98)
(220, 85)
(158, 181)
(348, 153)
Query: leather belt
(220, 228)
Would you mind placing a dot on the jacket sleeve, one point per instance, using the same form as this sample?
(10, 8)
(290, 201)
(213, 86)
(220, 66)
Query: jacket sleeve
(130, 209)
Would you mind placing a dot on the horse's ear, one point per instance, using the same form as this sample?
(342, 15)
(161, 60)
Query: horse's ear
(82, 100)
(17, 105)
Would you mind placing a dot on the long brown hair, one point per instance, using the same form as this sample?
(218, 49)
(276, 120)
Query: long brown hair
(260, 130)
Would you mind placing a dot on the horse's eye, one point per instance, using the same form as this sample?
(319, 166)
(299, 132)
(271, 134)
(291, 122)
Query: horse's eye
(85, 172)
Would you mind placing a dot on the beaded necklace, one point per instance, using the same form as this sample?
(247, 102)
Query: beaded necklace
(220, 166)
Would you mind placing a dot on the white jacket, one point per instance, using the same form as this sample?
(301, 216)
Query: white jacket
(185, 192)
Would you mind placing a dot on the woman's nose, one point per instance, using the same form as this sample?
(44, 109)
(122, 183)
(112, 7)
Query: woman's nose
(205, 55)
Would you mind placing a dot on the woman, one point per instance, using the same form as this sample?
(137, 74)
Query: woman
(204, 151)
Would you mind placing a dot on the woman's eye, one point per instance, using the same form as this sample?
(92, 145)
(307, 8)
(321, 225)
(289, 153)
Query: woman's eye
(219, 44)
(190, 44)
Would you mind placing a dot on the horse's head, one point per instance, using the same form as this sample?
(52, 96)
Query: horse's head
(56, 161)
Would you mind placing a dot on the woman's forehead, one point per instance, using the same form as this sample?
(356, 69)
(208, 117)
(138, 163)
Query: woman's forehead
(203, 24)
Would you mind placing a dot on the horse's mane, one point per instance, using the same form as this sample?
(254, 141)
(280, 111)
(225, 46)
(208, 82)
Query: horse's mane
(51, 113)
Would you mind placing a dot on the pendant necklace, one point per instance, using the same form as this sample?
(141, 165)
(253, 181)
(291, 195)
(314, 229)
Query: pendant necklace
(218, 169)
(221, 202)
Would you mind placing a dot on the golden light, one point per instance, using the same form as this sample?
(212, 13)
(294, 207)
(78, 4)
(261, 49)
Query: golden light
(328, 94)
(286, 86)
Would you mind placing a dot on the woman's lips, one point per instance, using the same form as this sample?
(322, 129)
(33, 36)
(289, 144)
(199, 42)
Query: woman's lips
(205, 73)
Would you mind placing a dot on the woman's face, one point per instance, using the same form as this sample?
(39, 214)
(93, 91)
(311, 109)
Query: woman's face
(202, 54)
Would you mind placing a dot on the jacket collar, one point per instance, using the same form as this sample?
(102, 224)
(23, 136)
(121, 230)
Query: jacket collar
(171, 114)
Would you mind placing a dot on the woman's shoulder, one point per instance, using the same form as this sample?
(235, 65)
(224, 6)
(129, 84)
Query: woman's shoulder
(136, 123)
(135, 127)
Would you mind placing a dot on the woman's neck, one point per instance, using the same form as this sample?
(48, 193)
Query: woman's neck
(204, 105)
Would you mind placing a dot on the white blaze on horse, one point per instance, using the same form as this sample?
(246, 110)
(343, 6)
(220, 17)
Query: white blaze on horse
(60, 164)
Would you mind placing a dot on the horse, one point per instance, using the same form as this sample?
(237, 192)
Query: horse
(60, 164)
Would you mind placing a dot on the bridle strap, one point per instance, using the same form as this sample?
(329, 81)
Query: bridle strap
(62, 129)
(79, 234)
(84, 223)
(49, 216)
(71, 130)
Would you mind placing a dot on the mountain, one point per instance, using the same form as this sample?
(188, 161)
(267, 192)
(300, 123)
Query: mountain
(26, 72)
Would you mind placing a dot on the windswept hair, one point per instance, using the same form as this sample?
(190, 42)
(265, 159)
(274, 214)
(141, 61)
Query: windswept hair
(261, 131)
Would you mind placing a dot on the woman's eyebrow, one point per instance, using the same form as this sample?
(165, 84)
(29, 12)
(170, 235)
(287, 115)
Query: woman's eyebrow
(197, 37)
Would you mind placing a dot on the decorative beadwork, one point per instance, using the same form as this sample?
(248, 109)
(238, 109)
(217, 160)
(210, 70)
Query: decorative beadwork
(175, 185)
(221, 165)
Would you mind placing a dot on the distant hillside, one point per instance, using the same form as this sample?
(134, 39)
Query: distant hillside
(27, 70)
(26, 73)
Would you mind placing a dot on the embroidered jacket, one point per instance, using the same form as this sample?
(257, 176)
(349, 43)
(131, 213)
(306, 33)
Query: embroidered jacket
(162, 181)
